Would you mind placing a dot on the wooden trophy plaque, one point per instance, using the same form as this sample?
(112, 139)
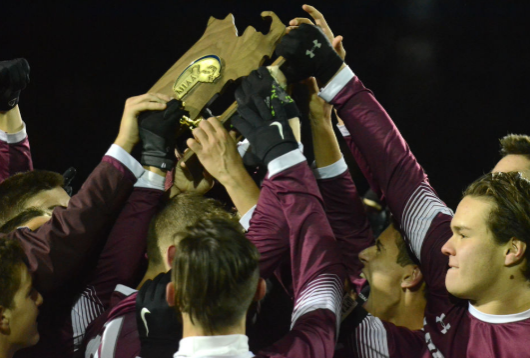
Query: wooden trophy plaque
(219, 57)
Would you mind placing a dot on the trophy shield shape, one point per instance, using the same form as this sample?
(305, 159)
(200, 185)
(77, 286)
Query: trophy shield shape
(218, 58)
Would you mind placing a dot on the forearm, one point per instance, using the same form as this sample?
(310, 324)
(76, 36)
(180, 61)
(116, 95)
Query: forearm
(11, 121)
(380, 143)
(325, 144)
(242, 190)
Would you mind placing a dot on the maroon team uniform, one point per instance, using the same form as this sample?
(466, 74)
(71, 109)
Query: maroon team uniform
(452, 328)
(15, 155)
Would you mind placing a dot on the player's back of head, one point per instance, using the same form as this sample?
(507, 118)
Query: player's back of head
(171, 221)
(17, 191)
(515, 152)
(509, 217)
(215, 273)
(515, 144)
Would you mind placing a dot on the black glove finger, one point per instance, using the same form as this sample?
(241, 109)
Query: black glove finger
(288, 45)
(264, 107)
(242, 125)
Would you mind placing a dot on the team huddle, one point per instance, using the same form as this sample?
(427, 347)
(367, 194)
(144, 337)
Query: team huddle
(140, 263)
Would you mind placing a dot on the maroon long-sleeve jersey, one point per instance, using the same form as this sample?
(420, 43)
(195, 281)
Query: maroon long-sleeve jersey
(15, 154)
(452, 328)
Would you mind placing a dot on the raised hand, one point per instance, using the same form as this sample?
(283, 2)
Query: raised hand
(264, 110)
(128, 135)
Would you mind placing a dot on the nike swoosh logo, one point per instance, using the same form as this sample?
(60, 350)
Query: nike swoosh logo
(280, 128)
(142, 314)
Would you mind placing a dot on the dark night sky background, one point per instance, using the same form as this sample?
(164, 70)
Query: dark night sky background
(454, 75)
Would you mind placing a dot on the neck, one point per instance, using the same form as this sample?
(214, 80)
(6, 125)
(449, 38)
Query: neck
(6, 349)
(407, 311)
(511, 299)
(151, 273)
(194, 330)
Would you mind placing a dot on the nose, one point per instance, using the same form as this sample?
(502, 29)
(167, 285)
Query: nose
(449, 248)
(366, 254)
(39, 299)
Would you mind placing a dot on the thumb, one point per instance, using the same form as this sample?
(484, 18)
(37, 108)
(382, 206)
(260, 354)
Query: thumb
(338, 46)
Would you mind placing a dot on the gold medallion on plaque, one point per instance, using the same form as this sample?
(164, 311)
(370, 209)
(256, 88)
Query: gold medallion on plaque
(206, 69)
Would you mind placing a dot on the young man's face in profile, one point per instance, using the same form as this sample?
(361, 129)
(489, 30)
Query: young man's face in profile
(475, 260)
(381, 269)
(23, 314)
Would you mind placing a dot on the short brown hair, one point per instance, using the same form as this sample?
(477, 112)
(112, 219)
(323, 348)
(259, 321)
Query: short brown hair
(215, 273)
(515, 144)
(510, 215)
(21, 219)
(18, 189)
(12, 260)
(179, 212)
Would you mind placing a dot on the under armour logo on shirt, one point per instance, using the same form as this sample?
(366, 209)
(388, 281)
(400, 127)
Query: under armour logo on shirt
(311, 52)
(440, 320)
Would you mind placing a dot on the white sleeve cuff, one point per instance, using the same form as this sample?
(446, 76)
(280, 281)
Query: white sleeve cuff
(13, 138)
(245, 219)
(151, 180)
(332, 170)
(118, 153)
(285, 161)
(343, 130)
(336, 84)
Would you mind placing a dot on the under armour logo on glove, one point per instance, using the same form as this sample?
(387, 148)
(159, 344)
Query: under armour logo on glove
(311, 52)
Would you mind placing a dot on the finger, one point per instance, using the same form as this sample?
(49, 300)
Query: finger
(147, 97)
(288, 29)
(316, 15)
(338, 46)
(148, 106)
(216, 124)
(312, 85)
(163, 97)
(207, 127)
(300, 20)
(233, 135)
(195, 146)
(200, 136)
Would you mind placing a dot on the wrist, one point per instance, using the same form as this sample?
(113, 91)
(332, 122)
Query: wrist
(125, 144)
(235, 178)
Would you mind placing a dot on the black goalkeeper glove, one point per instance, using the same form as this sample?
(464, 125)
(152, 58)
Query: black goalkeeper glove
(158, 326)
(14, 77)
(158, 131)
(308, 53)
(264, 110)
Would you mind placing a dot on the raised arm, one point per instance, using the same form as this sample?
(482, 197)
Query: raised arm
(342, 203)
(317, 275)
(60, 249)
(15, 156)
(423, 217)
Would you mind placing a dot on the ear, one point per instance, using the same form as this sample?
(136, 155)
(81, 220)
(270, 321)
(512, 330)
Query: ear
(170, 294)
(4, 320)
(261, 290)
(170, 255)
(413, 278)
(515, 252)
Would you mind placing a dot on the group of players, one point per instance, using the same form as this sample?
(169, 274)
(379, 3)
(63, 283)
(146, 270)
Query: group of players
(139, 263)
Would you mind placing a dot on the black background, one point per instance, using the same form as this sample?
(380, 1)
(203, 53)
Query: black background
(452, 74)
